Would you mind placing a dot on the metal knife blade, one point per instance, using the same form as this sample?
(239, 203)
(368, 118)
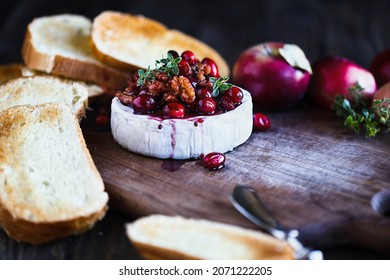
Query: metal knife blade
(247, 202)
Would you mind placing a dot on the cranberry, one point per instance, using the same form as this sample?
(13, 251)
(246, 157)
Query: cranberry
(184, 68)
(213, 66)
(235, 94)
(173, 53)
(173, 110)
(102, 120)
(191, 107)
(206, 105)
(189, 57)
(144, 104)
(193, 81)
(214, 161)
(261, 122)
(226, 103)
(203, 92)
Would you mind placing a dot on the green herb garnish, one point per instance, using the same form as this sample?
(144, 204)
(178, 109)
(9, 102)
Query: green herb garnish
(358, 114)
(144, 76)
(169, 65)
(220, 85)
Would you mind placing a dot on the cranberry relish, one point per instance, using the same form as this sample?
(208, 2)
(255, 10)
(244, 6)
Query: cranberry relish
(180, 86)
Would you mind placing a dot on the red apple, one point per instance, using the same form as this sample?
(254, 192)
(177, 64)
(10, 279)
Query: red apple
(334, 76)
(276, 74)
(380, 67)
(382, 92)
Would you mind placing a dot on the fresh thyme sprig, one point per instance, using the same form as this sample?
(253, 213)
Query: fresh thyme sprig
(144, 76)
(220, 85)
(358, 114)
(169, 65)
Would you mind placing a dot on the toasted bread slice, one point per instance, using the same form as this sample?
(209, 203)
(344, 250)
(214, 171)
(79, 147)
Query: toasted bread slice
(17, 70)
(60, 45)
(42, 89)
(132, 41)
(165, 237)
(49, 185)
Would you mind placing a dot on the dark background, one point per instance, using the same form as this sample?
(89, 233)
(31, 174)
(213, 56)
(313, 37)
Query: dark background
(353, 29)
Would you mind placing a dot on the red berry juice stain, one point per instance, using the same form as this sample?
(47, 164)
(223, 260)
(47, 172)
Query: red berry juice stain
(173, 137)
(172, 165)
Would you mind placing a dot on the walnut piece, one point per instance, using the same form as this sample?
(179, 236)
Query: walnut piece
(187, 91)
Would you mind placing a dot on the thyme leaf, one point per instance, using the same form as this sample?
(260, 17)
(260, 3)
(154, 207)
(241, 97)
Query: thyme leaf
(220, 85)
(169, 65)
(144, 76)
(358, 114)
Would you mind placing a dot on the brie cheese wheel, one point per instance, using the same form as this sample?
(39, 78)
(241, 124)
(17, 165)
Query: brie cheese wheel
(183, 138)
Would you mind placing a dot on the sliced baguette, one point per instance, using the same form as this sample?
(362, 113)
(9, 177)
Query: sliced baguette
(165, 237)
(42, 89)
(132, 41)
(17, 70)
(49, 185)
(60, 45)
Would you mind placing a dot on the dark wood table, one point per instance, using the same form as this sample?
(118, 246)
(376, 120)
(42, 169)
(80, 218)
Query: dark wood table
(347, 28)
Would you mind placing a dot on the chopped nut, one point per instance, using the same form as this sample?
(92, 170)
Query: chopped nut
(156, 88)
(187, 91)
(203, 70)
(206, 84)
(124, 98)
(161, 76)
(169, 97)
(175, 86)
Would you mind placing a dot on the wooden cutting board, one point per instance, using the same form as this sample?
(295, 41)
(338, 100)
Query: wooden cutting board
(307, 169)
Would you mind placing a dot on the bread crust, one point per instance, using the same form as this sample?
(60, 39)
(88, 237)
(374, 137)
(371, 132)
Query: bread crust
(108, 78)
(150, 252)
(152, 30)
(107, 59)
(38, 233)
(13, 71)
(9, 72)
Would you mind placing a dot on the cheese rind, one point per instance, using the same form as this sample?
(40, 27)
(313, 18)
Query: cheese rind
(181, 138)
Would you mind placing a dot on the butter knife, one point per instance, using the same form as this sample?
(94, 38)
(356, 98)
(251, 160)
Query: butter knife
(248, 203)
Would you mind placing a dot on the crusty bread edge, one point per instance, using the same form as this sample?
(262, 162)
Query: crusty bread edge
(108, 78)
(40, 233)
(21, 70)
(150, 252)
(104, 58)
(10, 72)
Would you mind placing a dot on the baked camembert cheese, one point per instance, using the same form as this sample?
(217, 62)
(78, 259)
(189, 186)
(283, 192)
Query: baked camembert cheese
(181, 109)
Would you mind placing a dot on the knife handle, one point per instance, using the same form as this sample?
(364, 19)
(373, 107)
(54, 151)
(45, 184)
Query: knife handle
(369, 233)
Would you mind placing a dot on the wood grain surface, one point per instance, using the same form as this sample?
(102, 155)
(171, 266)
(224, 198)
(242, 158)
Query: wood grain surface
(308, 170)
